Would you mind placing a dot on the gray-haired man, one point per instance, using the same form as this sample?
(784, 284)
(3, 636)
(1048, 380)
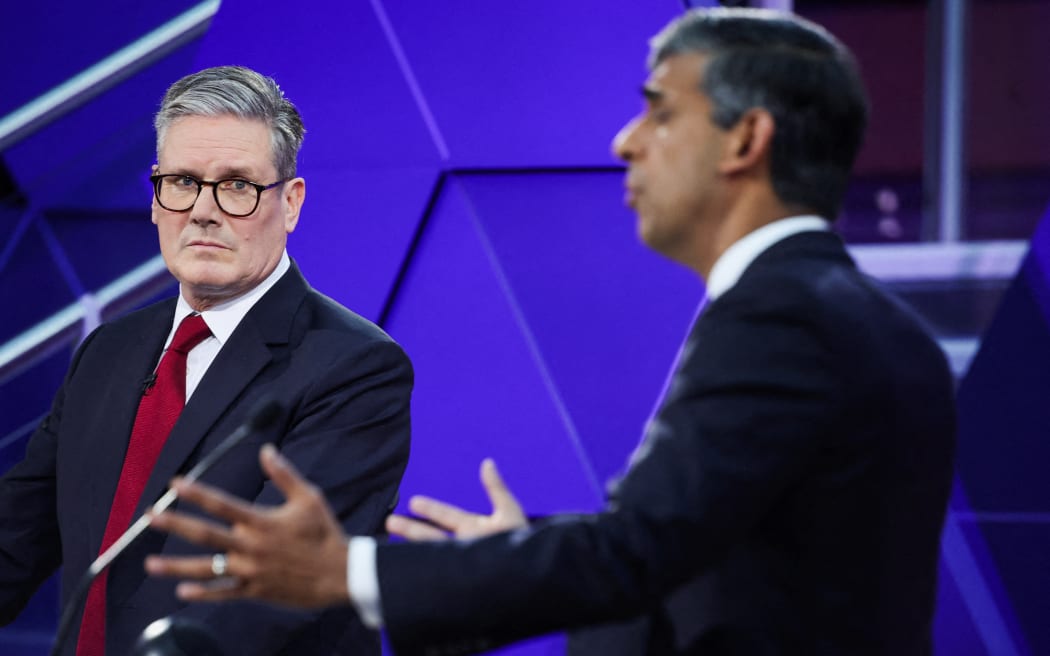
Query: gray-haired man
(226, 196)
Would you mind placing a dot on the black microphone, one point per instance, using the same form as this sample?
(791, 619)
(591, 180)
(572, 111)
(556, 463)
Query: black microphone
(176, 636)
(148, 383)
(264, 414)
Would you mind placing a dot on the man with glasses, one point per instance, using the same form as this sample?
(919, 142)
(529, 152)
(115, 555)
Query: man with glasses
(148, 395)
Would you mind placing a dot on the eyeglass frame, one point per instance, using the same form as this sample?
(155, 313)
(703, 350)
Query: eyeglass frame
(156, 179)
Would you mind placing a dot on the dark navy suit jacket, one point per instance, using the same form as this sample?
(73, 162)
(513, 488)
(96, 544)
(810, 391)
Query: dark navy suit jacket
(787, 498)
(346, 386)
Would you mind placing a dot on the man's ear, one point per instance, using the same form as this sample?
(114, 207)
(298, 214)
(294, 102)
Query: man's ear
(293, 197)
(750, 141)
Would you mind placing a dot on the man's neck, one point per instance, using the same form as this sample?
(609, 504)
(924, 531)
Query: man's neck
(741, 220)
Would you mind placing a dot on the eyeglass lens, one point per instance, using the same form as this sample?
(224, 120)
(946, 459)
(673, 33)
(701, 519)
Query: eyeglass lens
(178, 193)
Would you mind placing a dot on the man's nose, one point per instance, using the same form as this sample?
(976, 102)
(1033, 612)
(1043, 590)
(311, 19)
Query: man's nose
(205, 209)
(624, 144)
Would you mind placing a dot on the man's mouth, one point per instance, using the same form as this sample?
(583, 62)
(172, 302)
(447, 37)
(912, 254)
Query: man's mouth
(205, 244)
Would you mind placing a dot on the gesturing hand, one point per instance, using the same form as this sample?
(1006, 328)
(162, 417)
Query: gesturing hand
(293, 554)
(447, 520)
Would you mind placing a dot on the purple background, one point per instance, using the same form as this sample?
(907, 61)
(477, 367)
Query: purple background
(461, 192)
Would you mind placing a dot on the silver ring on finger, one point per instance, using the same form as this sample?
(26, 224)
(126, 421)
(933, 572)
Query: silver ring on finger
(219, 565)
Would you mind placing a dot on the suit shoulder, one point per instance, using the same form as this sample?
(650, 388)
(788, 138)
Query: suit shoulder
(328, 315)
(840, 305)
(828, 289)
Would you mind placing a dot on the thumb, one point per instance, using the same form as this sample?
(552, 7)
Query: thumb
(500, 496)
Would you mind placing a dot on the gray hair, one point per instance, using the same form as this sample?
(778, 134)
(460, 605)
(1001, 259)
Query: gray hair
(241, 92)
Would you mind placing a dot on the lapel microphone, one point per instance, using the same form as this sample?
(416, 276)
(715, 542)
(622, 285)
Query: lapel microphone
(265, 413)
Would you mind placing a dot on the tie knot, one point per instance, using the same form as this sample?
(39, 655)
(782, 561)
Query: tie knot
(191, 332)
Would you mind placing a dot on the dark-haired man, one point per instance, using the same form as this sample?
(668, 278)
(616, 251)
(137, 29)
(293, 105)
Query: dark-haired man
(796, 474)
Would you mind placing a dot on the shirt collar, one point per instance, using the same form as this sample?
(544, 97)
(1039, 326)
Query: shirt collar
(224, 317)
(731, 264)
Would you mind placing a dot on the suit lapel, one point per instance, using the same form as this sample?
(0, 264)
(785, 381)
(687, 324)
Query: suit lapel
(237, 363)
(137, 352)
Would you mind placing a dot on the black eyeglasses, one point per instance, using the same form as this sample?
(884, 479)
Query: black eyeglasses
(177, 193)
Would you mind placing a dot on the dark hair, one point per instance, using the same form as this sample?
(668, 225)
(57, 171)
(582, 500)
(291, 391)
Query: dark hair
(241, 92)
(795, 70)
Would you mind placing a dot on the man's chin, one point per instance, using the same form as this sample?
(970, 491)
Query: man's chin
(207, 283)
(659, 242)
(204, 295)
(646, 233)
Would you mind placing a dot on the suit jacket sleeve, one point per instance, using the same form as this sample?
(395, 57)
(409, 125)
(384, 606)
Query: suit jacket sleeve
(737, 427)
(30, 546)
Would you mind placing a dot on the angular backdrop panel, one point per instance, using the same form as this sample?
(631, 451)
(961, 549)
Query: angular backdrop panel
(607, 314)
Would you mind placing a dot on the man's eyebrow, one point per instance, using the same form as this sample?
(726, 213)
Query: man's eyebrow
(234, 172)
(223, 174)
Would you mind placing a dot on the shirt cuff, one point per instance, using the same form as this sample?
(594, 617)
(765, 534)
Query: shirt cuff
(363, 581)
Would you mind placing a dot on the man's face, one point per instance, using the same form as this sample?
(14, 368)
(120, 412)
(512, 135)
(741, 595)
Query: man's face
(214, 256)
(672, 150)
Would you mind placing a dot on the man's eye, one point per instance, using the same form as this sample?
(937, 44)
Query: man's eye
(234, 185)
(661, 116)
(185, 181)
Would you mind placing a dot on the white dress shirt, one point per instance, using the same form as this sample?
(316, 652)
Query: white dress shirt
(222, 320)
(738, 257)
(362, 578)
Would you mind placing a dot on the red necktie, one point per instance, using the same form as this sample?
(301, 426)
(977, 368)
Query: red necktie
(158, 410)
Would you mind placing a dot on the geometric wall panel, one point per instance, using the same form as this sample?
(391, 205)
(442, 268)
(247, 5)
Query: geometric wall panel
(43, 44)
(973, 598)
(98, 156)
(334, 60)
(1004, 432)
(607, 314)
(84, 236)
(1004, 446)
(1021, 553)
(355, 229)
(481, 388)
(29, 267)
(954, 633)
(541, 83)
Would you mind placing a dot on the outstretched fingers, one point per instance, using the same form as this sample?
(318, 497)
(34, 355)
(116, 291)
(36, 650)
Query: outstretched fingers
(414, 530)
(504, 503)
(438, 520)
(218, 503)
(449, 517)
(196, 530)
(225, 589)
(195, 568)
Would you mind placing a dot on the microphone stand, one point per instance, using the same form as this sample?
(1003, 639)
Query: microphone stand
(265, 413)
